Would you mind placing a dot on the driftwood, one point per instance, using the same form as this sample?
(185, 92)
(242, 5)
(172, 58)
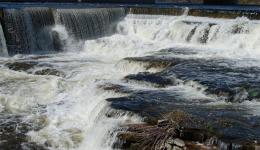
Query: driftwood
(153, 137)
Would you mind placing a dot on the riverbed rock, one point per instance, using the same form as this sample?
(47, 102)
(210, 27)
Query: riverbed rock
(168, 146)
(20, 66)
(153, 78)
(163, 122)
(176, 148)
(170, 141)
(13, 133)
(50, 71)
(178, 142)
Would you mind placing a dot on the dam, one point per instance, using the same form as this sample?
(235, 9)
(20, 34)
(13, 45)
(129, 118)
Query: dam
(143, 76)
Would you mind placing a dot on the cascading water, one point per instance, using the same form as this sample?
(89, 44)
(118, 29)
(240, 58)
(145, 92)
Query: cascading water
(29, 30)
(83, 97)
(3, 47)
(96, 24)
(18, 31)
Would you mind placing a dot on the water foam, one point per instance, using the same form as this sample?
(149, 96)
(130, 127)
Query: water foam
(75, 107)
(79, 122)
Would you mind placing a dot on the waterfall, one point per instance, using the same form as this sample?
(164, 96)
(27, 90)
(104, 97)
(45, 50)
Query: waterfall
(3, 48)
(18, 32)
(90, 23)
(116, 70)
(29, 30)
(42, 21)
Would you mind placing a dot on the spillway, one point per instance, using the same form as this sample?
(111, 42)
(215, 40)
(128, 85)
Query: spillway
(76, 79)
(29, 30)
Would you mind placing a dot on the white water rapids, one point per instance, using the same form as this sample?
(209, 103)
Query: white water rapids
(71, 110)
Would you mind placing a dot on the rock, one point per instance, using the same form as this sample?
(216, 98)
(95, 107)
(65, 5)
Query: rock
(195, 135)
(168, 146)
(163, 122)
(20, 66)
(170, 141)
(50, 71)
(176, 148)
(178, 142)
(153, 78)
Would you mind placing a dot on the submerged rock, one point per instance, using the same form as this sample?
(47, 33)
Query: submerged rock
(219, 77)
(29, 67)
(155, 62)
(196, 119)
(50, 71)
(21, 66)
(155, 79)
(178, 142)
(116, 88)
(13, 133)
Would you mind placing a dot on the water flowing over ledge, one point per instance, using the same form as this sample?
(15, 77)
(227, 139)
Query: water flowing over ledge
(29, 30)
(104, 82)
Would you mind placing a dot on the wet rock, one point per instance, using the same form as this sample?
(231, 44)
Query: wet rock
(156, 62)
(174, 51)
(227, 121)
(116, 88)
(29, 66)
(146, 103)
(178, 142)
(168, 146)
(156, 79)
(13, 133)
(170, 141)
(220, 78)
(21, 66)
(176, 148)
(163, 122)
(50, 71)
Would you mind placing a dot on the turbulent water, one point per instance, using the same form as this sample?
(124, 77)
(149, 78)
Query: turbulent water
(151, 65)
